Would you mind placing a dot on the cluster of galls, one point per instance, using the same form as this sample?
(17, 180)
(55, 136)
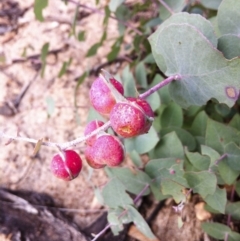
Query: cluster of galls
(129, 117)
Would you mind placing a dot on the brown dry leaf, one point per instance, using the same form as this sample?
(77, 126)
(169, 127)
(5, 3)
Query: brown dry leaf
(201, 213)
(135, 233)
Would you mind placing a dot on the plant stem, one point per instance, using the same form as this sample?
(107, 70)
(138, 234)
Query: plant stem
(220, 158)
(62, 146)
(231, 199)
(166, 6)
(136, 199)
(75, 142)
(95, 10)
(160, 85)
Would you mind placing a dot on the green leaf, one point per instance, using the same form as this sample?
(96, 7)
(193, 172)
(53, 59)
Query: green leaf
(116, 225)
(234, 236)
(230, 45)
(141, 75)
(199, 124)
(165, 147)
(211, 4)
(202, 182)
(194, 20)
(235, 122)
(233, 156)
(172, 182)
(172, 116)
(63, 69)
(234, 210)
(219, 135)
(114, 4)
(200, 162)
(154, 101)
(39, 5)
(94, 115)
(142, 143)
(186, 138)
(50, 105)
(128, 82)
(217, 200)
(153, 166)
(93, 50)
(136, 158)
(229, 17)
(140, 222)
(81, 36)
(133, 182)
(114, 194)
(208, 151)
(227, 173)
(200, 80)
(216, 230)
(44, 52)
(175, 6)
(106, 16)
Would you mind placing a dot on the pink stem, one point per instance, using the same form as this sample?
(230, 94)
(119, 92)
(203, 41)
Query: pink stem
(166, 6)
(159, 86)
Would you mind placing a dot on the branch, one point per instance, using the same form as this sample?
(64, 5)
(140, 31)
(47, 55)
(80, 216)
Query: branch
(160, 85)
(62, 146)
(78, 140)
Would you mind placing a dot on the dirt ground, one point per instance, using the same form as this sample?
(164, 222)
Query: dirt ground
(22, 35)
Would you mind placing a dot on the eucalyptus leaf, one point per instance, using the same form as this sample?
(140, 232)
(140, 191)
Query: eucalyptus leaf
(140, 222)
(211, 4)
(217, 200)
(216, 230)
(202, 182)
(199, 161)
(229, 17)
(205, 73)
(114, 194)
(142, 143)
(39, 5)
(219, 135)
(229, 44)
(233, 209)
(172, 116)
(228, 174)
(134, 181)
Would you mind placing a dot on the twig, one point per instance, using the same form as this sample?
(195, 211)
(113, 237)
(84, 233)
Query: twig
(95, 10)
(75, 142)
(220, 158)
(226, 237)
(136, 199)
(166, 6)
(231, 199)
(62, 146)
(159, 86)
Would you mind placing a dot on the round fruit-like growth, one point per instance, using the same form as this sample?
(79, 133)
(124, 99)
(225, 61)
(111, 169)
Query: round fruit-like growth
(66, 165)
(92, 126)
(146, 108)
(90, 160)
(127, 120)
(107, 150)
(101, 97)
